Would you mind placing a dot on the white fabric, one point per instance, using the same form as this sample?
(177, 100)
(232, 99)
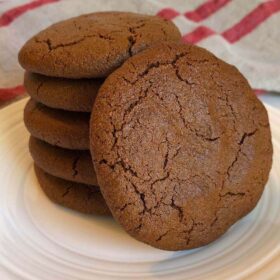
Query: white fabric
(257, 54)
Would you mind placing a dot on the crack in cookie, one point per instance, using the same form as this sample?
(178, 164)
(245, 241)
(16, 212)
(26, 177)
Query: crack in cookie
(69, 47)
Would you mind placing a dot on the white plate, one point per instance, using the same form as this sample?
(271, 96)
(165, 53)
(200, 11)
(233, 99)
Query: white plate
(40, 240)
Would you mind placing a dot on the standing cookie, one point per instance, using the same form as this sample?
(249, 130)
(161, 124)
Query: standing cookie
(93, 45)
(181, 146)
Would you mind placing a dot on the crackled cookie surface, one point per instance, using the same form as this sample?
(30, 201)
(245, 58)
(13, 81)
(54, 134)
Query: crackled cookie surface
(72, 165)
(59, 93)
(80, 197)
(181, 146)
(93, 45)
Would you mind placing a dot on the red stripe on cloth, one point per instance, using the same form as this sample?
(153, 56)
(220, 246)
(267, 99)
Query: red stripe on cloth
(251, 21)
(10, 93)
(197, 35)
(260, 91)
(206, 9)
(168, 13)
(200, 13)
(10, 15)
(239, 30)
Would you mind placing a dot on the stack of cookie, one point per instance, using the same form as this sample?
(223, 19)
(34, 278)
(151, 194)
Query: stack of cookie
(181, 146)
(66, 65)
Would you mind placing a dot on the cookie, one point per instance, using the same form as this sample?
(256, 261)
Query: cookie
(93, 45)
(181, 146)
(60, 93)
(57, 127)
(80, 197)
(71, 165)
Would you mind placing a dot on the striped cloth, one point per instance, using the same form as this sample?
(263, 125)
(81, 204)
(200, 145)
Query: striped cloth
(243, 33)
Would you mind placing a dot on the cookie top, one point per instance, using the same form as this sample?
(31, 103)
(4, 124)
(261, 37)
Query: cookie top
(65, 129)
(181, 146)
(67, 164)
(93, 45)
(82, 198)
(60, 93)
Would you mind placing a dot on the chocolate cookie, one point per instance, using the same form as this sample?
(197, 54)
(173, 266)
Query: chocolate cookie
(57, 127)
(80, 197)
(60, 93)
(181, 146)
(93, 45)
(70, 165)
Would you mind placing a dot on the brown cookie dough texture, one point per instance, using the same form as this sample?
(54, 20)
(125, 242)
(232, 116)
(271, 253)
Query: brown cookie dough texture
(82, 198)
(181, 146)
(68, 130)
(68, 164)
(60, 93)
(93, 45)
